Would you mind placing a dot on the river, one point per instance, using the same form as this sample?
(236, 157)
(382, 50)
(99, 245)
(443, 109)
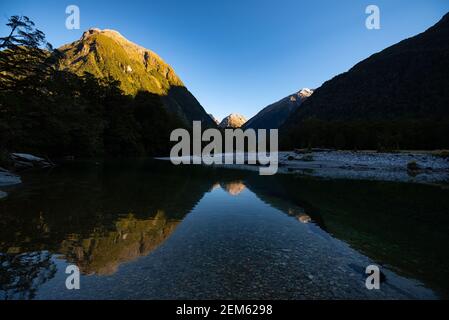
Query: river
(145, 229)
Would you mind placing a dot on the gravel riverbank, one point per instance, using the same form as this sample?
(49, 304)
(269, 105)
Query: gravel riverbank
(404, 166)
(418, 167)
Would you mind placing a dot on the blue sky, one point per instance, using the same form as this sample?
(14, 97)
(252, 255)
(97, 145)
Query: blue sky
(241, 55)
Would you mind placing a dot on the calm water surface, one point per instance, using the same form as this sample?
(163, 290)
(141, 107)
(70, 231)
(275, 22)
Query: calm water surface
(144, 229)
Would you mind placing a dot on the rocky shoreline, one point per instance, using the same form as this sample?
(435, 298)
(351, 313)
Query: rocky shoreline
(19, 162)
(404, 166)
(431, 167)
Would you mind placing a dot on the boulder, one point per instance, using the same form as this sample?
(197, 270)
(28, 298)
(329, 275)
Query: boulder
(25, 161)
(7, 178)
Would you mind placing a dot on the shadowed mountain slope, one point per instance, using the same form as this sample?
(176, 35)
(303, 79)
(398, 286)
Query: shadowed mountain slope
(395, 98)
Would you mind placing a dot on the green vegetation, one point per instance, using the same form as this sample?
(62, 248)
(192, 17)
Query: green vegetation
(107, 54)
(382, 135)
(395, 99)
(103, 252)
(52, 112)
(404, 226)
(82, 116)
(110, 59)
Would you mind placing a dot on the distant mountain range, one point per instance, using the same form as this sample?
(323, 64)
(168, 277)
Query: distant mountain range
(64, 102)
(273, 116)
(234, 120)
(106, 53)
(397, 98)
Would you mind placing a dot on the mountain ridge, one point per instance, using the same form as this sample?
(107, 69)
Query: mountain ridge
(396, 98)
(275, 114)
(107, 53)
(234, 120)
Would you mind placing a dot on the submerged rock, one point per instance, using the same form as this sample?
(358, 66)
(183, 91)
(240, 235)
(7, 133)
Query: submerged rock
(25, 161)
(21, 161)
(3, 195)
(7, 178)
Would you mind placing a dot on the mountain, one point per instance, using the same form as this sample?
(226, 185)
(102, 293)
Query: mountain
(214, 119)
(67, 103)
(397, 98)
(234, 120)
(106, 53)
(273, 116)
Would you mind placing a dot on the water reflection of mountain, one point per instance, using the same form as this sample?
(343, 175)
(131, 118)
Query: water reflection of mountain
(100, 216)
(404, 226)
(96, 216)
(234, 188)
(103, 252)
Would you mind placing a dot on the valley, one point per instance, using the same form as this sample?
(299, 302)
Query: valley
(110, 163)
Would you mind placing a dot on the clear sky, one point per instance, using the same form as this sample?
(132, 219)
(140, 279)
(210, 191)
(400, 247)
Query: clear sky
(241, 55)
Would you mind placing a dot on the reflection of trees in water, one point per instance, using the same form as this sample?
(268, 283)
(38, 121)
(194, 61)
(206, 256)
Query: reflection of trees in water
(96, 233)
(401, 225)
(83, 199)
(22, 274)
(80, 211)
(283, 196)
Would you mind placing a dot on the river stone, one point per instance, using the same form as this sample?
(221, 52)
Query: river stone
(7, 178)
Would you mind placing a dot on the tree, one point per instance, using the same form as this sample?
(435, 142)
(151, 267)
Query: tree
(24, 53)
(24, 64)
(23, 34)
